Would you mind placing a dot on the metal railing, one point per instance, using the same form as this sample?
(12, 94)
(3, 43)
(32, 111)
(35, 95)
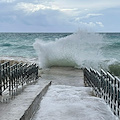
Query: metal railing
(17, 75)
(4, 76)
(106, 86)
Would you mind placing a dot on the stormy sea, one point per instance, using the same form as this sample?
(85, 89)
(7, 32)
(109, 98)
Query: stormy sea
(79, 49)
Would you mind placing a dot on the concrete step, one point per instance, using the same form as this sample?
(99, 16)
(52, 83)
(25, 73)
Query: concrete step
(24, 105)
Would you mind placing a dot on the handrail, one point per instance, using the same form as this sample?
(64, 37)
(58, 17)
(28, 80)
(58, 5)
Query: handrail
(105, 86)
(12, 77)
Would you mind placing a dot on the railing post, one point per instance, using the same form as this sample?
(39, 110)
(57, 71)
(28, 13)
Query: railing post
(118, 98)
(0, 81)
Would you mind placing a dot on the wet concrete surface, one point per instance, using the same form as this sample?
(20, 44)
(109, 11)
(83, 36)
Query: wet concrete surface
(16, 107)
(63, 76)
(68, 98)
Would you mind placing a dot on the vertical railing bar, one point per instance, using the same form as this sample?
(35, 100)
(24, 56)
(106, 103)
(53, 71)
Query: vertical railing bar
(11, 77)
(0, 82)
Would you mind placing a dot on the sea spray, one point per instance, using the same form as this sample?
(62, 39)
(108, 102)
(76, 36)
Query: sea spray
(80, 49)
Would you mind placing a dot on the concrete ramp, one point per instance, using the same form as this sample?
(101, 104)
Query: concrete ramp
(24, 105)
(72, 103)
(68, 99)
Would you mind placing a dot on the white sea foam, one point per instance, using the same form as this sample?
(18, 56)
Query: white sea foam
(80, 49)
(17, 59)
(72, 103)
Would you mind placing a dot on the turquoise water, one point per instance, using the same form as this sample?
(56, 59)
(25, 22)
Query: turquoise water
(80, 49)
(21, 44)
(111, 48)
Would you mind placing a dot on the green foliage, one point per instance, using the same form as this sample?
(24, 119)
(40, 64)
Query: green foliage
(115, 69)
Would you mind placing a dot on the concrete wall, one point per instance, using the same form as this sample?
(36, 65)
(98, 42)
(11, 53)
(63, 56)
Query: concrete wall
(35, 104)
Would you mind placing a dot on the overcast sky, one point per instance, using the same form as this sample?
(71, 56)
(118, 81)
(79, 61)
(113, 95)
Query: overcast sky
(59, 15)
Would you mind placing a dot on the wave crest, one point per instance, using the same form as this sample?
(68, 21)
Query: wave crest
(80, 49)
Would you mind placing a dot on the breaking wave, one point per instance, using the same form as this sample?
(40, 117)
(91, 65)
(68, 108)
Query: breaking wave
(79, 49)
